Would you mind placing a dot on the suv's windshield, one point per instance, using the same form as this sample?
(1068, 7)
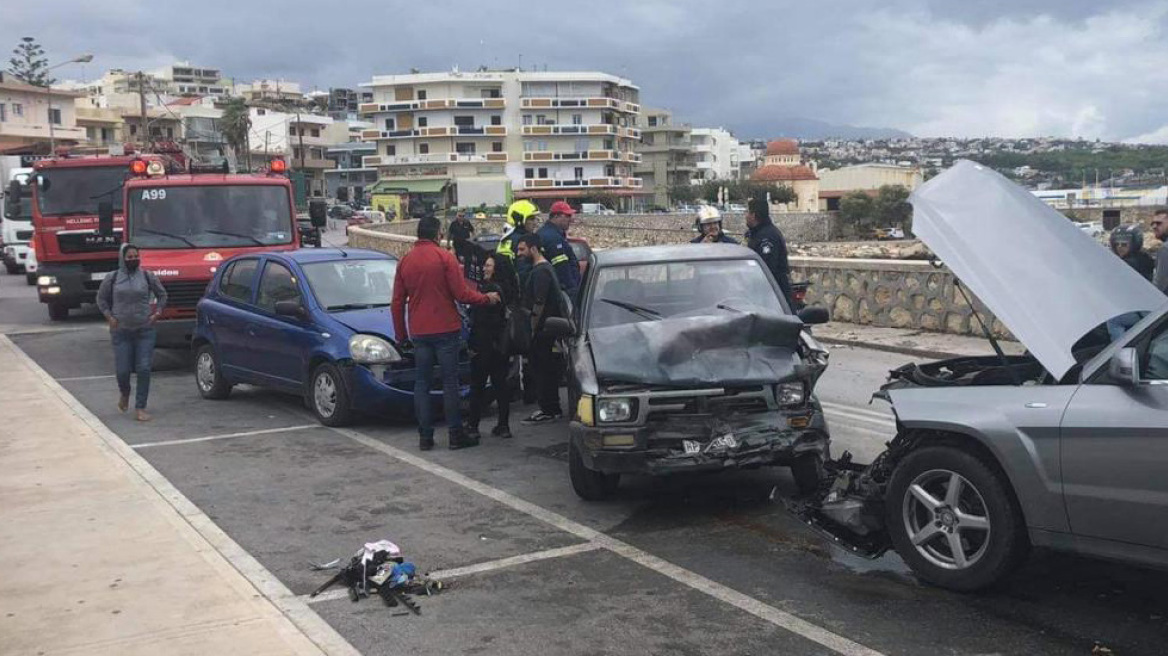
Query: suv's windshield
(78, 190)
(207, 216)
(649, 292)
(351, 284)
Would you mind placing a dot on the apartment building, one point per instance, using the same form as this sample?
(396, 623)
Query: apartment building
(271, 91)
(345, 103)
(490, 136)
(667, 156)
(715, 154)
(349, 180)
(31, 117)
(183, 79)
(300, 139)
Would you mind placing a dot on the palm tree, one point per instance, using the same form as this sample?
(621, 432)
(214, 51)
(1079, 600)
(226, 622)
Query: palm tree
(236, 127)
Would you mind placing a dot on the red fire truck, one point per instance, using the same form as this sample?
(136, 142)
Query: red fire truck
(186, 224)
(73, 254)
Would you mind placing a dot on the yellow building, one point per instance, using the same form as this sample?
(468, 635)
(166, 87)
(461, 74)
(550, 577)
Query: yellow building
(834, 184)
(783, 167)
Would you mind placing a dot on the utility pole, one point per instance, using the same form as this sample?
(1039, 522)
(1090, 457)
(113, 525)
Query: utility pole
(142, 107)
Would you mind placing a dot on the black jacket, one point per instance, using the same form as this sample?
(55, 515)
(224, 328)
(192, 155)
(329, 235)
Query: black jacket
(766, 240)
(1142, 263)
(488, 323)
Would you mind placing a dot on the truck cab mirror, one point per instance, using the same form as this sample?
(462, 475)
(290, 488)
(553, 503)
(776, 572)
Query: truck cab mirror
(105, 217)
(1124, 367)
(814, 315)
(12, 200)
(318, 213)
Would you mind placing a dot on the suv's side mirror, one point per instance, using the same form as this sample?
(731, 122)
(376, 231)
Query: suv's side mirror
(105, 217)
(318, 213)
(814, 315)
(557, 327)
(1124, 367)
(289, 309)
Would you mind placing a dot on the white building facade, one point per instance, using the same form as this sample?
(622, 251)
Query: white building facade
(498, 135)
(716, 153)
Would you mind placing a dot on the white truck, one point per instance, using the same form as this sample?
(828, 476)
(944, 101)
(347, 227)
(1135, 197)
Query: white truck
(16, 225)
(595, 208)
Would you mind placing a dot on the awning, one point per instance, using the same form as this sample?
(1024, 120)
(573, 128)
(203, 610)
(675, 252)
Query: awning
(576, 193)
(409, 186)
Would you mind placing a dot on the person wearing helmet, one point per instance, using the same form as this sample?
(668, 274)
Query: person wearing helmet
(522, 219)
(709, 224)
(1127, 242)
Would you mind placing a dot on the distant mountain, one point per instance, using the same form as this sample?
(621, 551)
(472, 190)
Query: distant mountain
(815, 130)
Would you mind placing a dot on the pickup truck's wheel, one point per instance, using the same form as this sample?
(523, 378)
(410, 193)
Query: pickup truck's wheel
(58, 312)
(807, 470)
(953, 520)
(328, 397)
(208, 375)
(590, 485)
(30, 279)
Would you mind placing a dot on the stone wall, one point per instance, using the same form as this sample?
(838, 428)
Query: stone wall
(1126, 214)
(892, 294)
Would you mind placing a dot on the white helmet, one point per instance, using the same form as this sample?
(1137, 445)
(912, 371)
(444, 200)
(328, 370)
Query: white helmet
(709, 214)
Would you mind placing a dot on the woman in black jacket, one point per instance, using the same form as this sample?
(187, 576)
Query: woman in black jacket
(490, 358)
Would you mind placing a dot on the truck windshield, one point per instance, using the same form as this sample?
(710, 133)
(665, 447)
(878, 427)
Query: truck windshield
(78, 190)
(351, 284)
(650, 292)
(210, 216)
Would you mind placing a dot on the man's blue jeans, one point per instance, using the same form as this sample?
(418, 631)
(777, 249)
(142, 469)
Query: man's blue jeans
(442, 349)
(134, 351)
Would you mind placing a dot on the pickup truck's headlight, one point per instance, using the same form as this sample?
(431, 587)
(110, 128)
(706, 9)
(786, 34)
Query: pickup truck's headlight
(790, 394)
(615, 410)
(371, 349)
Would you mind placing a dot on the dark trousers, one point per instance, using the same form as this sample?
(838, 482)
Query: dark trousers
(493, 366)
(548, 368)
(134, 351)
(443, 351)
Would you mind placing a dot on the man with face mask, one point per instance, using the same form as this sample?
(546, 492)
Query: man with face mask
(124, 298)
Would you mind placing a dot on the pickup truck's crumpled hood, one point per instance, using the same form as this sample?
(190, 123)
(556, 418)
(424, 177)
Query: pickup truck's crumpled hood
(1046, 280)
(736, 349)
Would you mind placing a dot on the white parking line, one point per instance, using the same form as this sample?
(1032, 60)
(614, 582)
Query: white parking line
(489, 566)
(782, 619)
(228, 436)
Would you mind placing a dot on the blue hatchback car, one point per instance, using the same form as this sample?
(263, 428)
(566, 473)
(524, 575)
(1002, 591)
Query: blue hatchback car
(312, 322)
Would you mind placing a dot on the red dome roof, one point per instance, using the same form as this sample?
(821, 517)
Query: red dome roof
(775, 173)
(783, 147)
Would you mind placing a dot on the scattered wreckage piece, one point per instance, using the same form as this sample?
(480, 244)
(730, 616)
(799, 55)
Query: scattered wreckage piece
(380, 568)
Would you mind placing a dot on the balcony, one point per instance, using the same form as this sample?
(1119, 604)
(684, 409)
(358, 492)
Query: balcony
(313, 163)
(580, 103)
(41, 131)
(679, 146)
(370, 161)
(587, 156)
(601, 129)
(582, 183)
(443, 131)
(432, 105)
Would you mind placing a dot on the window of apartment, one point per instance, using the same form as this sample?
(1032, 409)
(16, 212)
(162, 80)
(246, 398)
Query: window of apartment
(542, 145)
(496, 119)
(529, 173)
(465, 148)
(17, 109)
(390, 124)
(579, 171)
(133, 129)
(577, 119)
(609, 144)
(3, 115)
(169, 131)
(527, 119)
(316, 132)
(541, 119)
(261, 112)
(55, 115)
(391, 150)
(496, 146)
(464, 121)
(528, 145)
(423, 121)
(652, 121)
(543, 172)
(421, 94)
(424, 149)
(490, 93)
(610, 171)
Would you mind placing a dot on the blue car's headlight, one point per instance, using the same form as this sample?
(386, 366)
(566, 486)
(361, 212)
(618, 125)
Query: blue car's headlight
(371, 349)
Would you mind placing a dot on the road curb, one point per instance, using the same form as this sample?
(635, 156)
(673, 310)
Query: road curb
(892, 348)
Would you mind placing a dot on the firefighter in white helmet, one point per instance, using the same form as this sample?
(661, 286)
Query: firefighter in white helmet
(709, 224)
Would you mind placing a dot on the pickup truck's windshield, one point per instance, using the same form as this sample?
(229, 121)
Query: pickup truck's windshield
(210, 216)
(351, 284)
(650, 292)
(78, 190)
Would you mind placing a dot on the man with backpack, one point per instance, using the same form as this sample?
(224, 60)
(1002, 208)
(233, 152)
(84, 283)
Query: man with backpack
(543, 297)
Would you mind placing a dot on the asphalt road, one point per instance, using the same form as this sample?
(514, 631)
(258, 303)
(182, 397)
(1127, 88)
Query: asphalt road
(692, 565)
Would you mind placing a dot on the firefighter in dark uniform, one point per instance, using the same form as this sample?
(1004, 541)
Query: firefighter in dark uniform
(553, 242)
(764, 238)
(710, 227)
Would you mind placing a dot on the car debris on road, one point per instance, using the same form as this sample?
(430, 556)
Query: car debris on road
(380, 568)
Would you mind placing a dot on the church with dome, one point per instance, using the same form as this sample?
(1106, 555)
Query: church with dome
(783, 166)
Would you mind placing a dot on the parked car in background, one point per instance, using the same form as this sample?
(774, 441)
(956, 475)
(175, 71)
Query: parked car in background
(736, 207)
(1093, 229)
(741, 397)
(888, 233)
(315, 323)
(596, 208)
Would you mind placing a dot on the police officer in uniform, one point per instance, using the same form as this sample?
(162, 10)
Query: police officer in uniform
(764, 238)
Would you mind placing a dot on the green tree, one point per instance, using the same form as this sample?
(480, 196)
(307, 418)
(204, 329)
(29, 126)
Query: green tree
(236, 126)
(29, 64)
(742, 191)
(858, 209)
(892, 207)
(684, 193)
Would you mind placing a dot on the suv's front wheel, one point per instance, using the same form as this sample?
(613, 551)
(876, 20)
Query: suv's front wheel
(952, 519)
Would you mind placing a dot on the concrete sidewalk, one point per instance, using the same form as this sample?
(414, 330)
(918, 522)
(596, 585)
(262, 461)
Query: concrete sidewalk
(915, 343)
(103, 556)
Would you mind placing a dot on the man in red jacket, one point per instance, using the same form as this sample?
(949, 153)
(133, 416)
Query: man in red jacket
(429, 281)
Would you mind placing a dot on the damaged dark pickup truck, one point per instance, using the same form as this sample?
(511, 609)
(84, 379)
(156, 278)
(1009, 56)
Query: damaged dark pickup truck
(686, 359)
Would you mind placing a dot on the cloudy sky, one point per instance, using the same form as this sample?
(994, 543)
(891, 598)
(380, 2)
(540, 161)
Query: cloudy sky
(955, 67)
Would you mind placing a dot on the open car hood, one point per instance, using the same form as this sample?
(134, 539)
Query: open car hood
(1046, 280)
(735, 349)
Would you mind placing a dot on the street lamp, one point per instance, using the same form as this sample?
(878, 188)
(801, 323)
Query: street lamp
(80, 59)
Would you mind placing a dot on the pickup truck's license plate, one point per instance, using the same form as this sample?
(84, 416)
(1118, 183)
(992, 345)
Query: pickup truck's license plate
(726, 441)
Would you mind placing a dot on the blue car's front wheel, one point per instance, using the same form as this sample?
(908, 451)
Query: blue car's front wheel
(328, 397)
